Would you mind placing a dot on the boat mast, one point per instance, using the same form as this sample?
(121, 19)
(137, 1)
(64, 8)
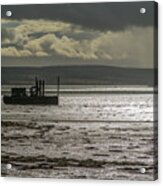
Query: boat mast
(36, 86)
(43, 87)
(58, 87)
(40, 85)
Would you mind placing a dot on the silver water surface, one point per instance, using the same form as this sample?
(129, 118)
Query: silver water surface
(104, 136)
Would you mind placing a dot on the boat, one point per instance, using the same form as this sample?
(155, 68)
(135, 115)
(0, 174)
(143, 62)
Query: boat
(36, 95)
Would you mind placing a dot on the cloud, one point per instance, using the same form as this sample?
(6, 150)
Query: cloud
(13, 52)
(132, 46)
(7, 35)
(34, 26)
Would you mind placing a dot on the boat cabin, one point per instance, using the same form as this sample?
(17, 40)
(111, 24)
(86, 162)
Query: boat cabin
(18, 92)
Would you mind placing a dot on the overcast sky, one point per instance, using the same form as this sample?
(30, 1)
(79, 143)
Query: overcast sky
(62, 34)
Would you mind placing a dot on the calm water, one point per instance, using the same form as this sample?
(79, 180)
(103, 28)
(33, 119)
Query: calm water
(104, 136)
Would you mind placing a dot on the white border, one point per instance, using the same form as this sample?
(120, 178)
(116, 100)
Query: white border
(68, 182)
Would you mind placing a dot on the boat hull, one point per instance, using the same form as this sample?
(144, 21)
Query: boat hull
(26, 100)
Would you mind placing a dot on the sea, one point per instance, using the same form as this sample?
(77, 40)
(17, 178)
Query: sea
(96, 132)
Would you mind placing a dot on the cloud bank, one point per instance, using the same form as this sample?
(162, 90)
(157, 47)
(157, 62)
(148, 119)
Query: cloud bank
(132, 46)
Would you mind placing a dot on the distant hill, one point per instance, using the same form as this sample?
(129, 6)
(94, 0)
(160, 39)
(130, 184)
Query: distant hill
(79, 75)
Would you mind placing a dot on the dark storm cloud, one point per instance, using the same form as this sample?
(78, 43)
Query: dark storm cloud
(101, 16)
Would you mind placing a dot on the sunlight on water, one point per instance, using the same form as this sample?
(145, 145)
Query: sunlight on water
(105, 136)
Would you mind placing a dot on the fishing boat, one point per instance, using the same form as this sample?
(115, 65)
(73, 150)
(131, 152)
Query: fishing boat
(35, 95)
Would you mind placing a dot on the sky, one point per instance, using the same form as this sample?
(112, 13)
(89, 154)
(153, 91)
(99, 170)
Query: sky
(113, 34)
